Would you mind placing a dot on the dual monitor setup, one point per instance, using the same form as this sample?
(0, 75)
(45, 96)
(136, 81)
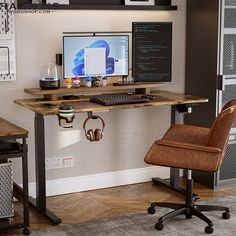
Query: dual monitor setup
(108, 54)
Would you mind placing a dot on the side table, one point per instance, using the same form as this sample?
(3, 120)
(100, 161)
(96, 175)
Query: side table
(13, 145)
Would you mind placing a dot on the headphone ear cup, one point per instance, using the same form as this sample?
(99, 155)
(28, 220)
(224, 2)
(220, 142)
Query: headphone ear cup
(97, 134)
(90, 135)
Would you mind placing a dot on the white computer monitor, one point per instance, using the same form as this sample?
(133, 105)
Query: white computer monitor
(103, 55)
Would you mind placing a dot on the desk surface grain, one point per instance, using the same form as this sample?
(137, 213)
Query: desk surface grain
(164, 98)
(7, 129)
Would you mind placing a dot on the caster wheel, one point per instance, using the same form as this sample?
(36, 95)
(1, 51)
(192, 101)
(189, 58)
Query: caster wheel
(159, 226)
(188, 216)
(225, 215)
(151, 210)
(209, 229)
(26, 231)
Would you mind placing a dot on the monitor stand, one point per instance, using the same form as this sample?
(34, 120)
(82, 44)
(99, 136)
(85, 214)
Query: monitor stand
(124, 82)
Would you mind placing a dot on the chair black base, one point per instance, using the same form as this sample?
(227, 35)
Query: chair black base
(188, 209)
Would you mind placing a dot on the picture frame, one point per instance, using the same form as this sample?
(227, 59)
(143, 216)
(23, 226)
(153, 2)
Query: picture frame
(140, 2)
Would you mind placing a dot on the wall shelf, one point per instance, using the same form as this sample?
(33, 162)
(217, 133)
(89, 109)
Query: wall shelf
(95, 7)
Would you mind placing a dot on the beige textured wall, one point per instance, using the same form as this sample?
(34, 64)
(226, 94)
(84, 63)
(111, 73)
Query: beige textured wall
(129, 133)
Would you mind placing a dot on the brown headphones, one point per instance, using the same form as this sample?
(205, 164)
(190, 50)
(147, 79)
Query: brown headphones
(94, 135)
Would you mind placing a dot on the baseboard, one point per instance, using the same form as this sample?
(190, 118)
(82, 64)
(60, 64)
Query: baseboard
(103, 180)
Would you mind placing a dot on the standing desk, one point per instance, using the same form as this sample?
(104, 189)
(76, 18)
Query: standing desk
(163, 98)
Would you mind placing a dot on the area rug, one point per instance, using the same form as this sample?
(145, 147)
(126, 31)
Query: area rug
(140, 224)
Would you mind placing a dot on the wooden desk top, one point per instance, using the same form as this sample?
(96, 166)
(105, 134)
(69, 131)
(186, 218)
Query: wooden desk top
(8, 129)
(164, 98)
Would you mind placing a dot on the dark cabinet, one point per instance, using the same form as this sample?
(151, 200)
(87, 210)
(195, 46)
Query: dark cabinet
(211, 72)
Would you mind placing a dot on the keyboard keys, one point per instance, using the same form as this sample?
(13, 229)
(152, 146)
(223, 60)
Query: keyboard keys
(118, 99)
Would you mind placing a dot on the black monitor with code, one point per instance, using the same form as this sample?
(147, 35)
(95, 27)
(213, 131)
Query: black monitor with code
(152, 51)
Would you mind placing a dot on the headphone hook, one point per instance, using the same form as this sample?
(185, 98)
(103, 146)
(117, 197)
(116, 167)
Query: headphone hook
(91, 116)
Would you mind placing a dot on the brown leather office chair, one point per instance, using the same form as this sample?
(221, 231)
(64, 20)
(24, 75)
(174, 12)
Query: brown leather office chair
(193, 148)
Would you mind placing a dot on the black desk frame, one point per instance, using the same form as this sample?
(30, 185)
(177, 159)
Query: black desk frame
(173, 183)
(40, 172)
(40, 202)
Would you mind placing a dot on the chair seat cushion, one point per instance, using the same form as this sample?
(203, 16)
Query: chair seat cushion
(9, 146)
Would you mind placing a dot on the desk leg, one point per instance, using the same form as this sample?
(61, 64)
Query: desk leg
(25, 187)
(173, 183)
(40, 202)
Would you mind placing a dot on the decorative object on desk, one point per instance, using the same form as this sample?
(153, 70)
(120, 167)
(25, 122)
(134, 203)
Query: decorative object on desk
(93, 135)
(96, 81)
(50, 80)
(140, 2)
(89, 82)
(76, 82)
(49, 83)
(104, 81)
(66, 116)
(69, 83)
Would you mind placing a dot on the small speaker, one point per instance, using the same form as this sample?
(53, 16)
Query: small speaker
(59, 59)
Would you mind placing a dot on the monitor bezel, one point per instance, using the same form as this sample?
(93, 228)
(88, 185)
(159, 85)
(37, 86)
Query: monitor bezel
(96, 35)
(171, 51)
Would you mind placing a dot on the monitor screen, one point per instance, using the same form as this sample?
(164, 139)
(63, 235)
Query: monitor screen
(152, 51)
(95, 55)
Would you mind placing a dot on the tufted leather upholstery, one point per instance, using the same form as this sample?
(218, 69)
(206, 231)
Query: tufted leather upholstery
(194, 148)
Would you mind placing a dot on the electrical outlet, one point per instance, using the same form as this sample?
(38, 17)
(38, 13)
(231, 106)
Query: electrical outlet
(53, 163)
(60, 162)
(68, 162)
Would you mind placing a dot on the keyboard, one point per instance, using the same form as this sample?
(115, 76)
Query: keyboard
(118, 99)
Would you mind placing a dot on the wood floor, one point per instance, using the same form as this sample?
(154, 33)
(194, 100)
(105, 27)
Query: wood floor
(111, 202)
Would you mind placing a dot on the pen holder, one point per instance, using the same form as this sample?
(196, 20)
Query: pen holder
(66, 116)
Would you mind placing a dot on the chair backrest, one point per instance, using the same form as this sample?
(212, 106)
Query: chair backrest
(219, 132)
(229, 104)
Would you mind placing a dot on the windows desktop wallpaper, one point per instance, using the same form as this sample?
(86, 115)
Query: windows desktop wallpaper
(116, 54)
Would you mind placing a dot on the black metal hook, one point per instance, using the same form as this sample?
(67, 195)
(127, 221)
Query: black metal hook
(91, 116)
